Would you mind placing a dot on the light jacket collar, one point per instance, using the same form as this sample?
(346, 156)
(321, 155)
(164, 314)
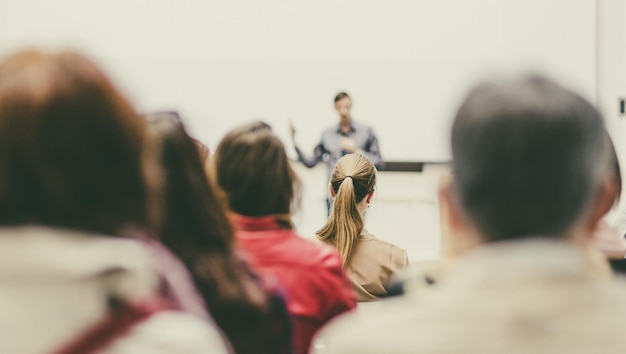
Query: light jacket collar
(33, 253)
(531, 260)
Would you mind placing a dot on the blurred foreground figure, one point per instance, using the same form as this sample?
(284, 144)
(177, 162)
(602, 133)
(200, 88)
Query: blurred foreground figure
(532, 177)
(249, 309)
(73, 195)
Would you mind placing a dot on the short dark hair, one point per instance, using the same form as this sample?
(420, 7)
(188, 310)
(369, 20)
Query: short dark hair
(341, 95)
(252, 168)
(71, 146)
(528, 157)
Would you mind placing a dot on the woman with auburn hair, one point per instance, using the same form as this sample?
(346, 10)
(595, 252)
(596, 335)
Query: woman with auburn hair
(369, 261)
(252, 169)
(73, 197)
(249, 309)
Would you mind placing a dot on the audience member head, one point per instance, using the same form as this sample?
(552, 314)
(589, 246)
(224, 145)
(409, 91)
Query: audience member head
(530, 158)
(196, 229)
(352, 186)
(192, 217)
(173, 115)
(252, 168)
(71, 146)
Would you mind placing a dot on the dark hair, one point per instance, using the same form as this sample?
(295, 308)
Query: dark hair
(353, 178)
(196, 229)
(341, 95)
(253, 170)
(203, 150)
(71, 147)
(528, 157)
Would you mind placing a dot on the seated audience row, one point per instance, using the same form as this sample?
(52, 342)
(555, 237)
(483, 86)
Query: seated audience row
(532, 179)
(119, 234)
(89, 194)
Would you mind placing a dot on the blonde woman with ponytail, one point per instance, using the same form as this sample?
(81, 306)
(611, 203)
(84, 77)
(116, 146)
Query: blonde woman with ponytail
(368, 261)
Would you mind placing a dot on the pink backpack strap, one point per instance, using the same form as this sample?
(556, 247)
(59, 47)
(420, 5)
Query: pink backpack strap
(117, 324)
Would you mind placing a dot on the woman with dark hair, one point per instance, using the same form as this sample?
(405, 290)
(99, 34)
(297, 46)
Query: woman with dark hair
(249, 310)
(73, 194)
(252, 169)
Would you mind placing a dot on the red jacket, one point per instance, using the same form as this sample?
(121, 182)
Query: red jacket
(311, 274)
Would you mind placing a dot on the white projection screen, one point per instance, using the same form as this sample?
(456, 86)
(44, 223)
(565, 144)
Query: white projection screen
(407, 63)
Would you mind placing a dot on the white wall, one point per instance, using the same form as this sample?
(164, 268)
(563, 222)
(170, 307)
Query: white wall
(406, 62)
(3, 22)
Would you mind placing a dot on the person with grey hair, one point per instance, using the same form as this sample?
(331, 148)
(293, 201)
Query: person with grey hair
(531, 181)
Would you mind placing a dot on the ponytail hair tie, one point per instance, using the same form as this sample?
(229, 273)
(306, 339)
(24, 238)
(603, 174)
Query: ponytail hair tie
(348, 177)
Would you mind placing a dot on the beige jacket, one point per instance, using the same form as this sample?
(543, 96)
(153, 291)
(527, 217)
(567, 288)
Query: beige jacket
(55, 283)
(373, 264)
(535, 296)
